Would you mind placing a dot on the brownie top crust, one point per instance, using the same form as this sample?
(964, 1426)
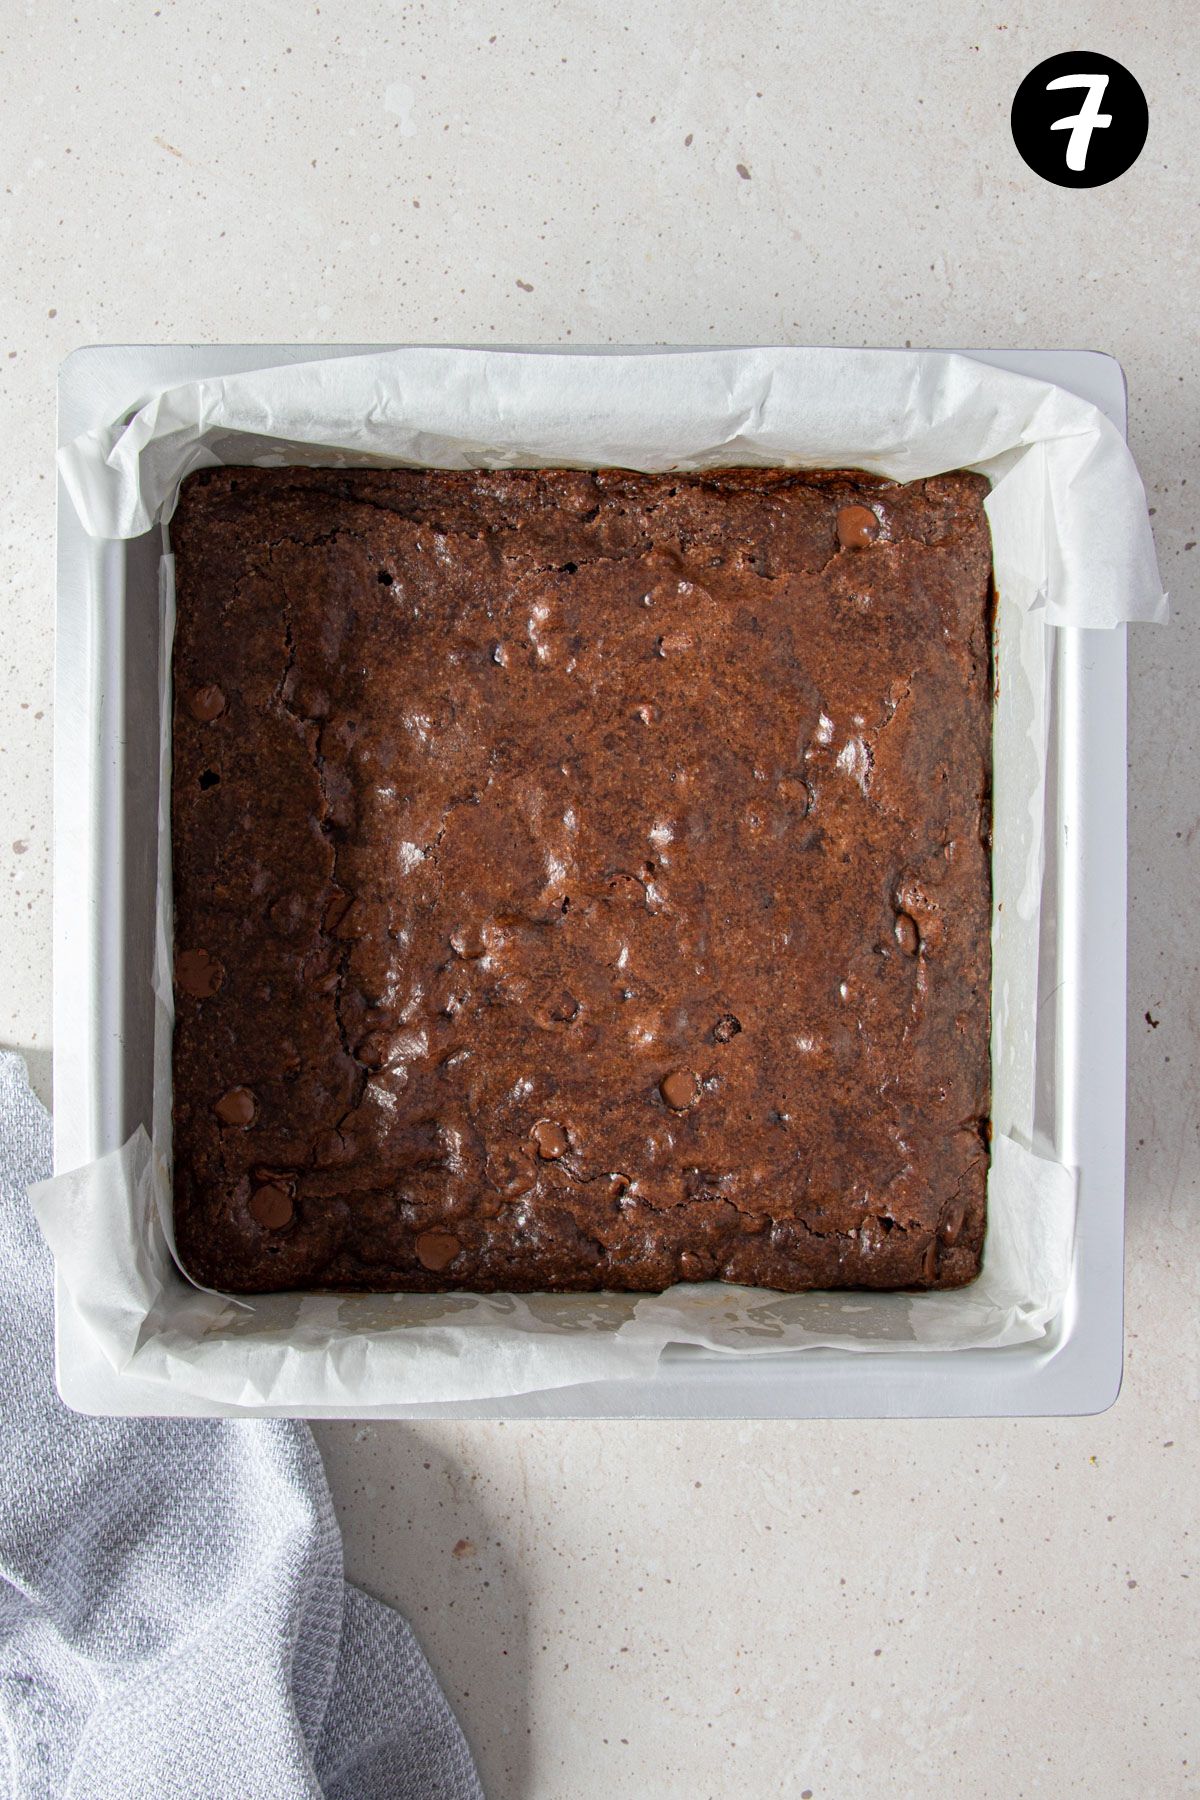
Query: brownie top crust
(581, 879)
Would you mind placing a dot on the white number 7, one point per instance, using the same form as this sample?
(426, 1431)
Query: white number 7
(1089, 118)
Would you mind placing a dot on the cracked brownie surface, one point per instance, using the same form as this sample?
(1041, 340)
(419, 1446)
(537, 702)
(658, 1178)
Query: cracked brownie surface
(581, 879)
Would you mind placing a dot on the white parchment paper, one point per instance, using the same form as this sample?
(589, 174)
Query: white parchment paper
(1072, 546)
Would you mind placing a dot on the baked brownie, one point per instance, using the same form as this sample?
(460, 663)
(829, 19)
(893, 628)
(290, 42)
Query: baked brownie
(581, 879)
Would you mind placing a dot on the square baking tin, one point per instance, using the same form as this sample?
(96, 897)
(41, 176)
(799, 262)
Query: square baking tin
(105, 828)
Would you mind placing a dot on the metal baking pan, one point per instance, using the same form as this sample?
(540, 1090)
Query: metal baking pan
(106, 801)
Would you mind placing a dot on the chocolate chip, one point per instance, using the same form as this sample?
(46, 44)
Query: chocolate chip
(513, 1173)
(551, 1139)
(691, 1267)
(209, 779)
(563, 1008)
(726, 1027)
(678, 1089)
(333, 1147)
(468, 942)
(857, 527)
(372, 1051)
(288, 915)
(198, 974)
(336, 910)
(907, 935)
(951, 1226)
(270, 1207)
(206, 703)
(929, 1266)
(795, 795)
(238, 1106)
(436, 1250)
(310, 701)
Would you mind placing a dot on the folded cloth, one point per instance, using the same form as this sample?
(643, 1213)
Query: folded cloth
(174, 1620)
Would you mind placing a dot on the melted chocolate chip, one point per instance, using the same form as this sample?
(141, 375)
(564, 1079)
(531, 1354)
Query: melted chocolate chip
(288, 915)
(237, 1106)
(372, 1051)
(857, 527)
(198, 974)
(907, 935)
(950, 1229)
(206, 703)
(310, 702)
(551, 1139)
(333, 1147)
(336, 910)
(468, 942)
(270, 1207)
(513, 1173)
(678, 1089)
(436, 1250)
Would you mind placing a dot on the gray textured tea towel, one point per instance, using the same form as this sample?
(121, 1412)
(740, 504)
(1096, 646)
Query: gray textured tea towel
(174, 1621)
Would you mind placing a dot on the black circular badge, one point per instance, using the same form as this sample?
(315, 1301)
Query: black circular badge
(1079, 119)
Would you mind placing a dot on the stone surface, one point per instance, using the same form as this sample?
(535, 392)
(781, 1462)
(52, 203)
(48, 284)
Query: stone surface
(518, 174)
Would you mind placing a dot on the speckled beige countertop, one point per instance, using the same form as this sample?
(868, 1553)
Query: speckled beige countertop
(710, 1610)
